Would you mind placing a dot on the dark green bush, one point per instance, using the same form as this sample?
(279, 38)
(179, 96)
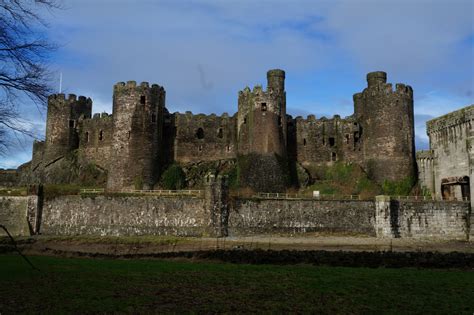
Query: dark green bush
(173, 178)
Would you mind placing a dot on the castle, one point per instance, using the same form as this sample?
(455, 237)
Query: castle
(141, 138)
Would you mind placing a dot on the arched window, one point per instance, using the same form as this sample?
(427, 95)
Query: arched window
(220, 133)
(200, 133)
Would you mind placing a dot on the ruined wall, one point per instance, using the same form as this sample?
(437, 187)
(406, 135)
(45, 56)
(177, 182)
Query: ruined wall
(204, 137)
(324, 141)
(428, 219)
(301, 216)
(96, 140)
(387, 128)
(449, 142)
(425, 165)
(76, 215)
(13, 215)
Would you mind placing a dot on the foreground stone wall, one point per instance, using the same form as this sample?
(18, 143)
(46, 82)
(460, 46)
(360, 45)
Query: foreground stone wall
(301, 216)
(76, 215)
(427, 219)
(214, 215)
(13, 215)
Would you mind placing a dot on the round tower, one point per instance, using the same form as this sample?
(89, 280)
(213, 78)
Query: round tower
(61, 123)
(137, 130)
(276, 80)
(387, 128)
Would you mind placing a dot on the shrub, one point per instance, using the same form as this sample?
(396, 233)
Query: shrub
(173, 178)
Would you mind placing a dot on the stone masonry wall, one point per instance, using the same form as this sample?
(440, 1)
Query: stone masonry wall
(204, 137)
(427, 219)
(13, 215)
(301, 216)
(75, 215)
(96, 139)
(449, 142)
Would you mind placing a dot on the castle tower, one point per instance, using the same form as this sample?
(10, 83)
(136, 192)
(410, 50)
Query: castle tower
(137, 131)
(386, 128)
(61, 124)
(262, 135)
(261, 120)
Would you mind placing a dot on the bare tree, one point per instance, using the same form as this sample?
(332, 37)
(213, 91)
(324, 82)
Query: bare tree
(24, 50)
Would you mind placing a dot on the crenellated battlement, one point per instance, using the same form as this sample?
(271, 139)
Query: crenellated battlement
(132, 85)
(71, 98)
(464, 115)
(424, 154)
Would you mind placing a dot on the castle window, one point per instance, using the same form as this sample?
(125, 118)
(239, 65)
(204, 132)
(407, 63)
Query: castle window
(304, 141)
(332, 141)
(264, 107)
(333, 156)
(220, 134)
(129, 135)
(228, 148)
(279, 120)
(72, 123)
(356, 137)
(200, 133)
(245, 121)
(142, 100)
(87, 137)
(347, 138)
(153, 118)
(101, 135)
(200, 148)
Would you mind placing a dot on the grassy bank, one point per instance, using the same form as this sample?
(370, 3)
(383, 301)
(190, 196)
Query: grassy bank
(144, 286)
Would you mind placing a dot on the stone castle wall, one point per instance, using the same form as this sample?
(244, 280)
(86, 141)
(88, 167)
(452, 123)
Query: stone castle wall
(204, 137)
(450, 157)
(75, 215)
(301, 216)
(216, 215)
(324, 141)
(427, 219)
(13, 215)
(141, 138)
(96, 140)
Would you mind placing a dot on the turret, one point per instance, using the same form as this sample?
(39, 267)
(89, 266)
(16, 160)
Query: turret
(386, 128)
(276, 80)
(61, 123)
(137, 131)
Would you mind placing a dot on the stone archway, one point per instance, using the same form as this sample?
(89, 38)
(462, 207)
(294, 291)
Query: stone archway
(455, 188)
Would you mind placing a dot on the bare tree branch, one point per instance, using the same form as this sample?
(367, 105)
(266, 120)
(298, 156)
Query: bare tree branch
(24, 51)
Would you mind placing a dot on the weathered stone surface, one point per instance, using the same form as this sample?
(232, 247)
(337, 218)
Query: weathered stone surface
(75, 215)
(421, 219)
(447, 168)
(13, 215)
(300, 216)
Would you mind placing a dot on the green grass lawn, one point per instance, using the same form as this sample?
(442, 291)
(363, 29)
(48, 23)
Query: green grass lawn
(157, 286)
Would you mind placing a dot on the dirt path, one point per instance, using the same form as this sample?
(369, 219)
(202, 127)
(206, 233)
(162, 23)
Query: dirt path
(139, 245)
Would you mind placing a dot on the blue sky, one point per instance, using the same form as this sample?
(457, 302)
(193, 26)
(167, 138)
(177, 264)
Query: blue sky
(204, 52)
